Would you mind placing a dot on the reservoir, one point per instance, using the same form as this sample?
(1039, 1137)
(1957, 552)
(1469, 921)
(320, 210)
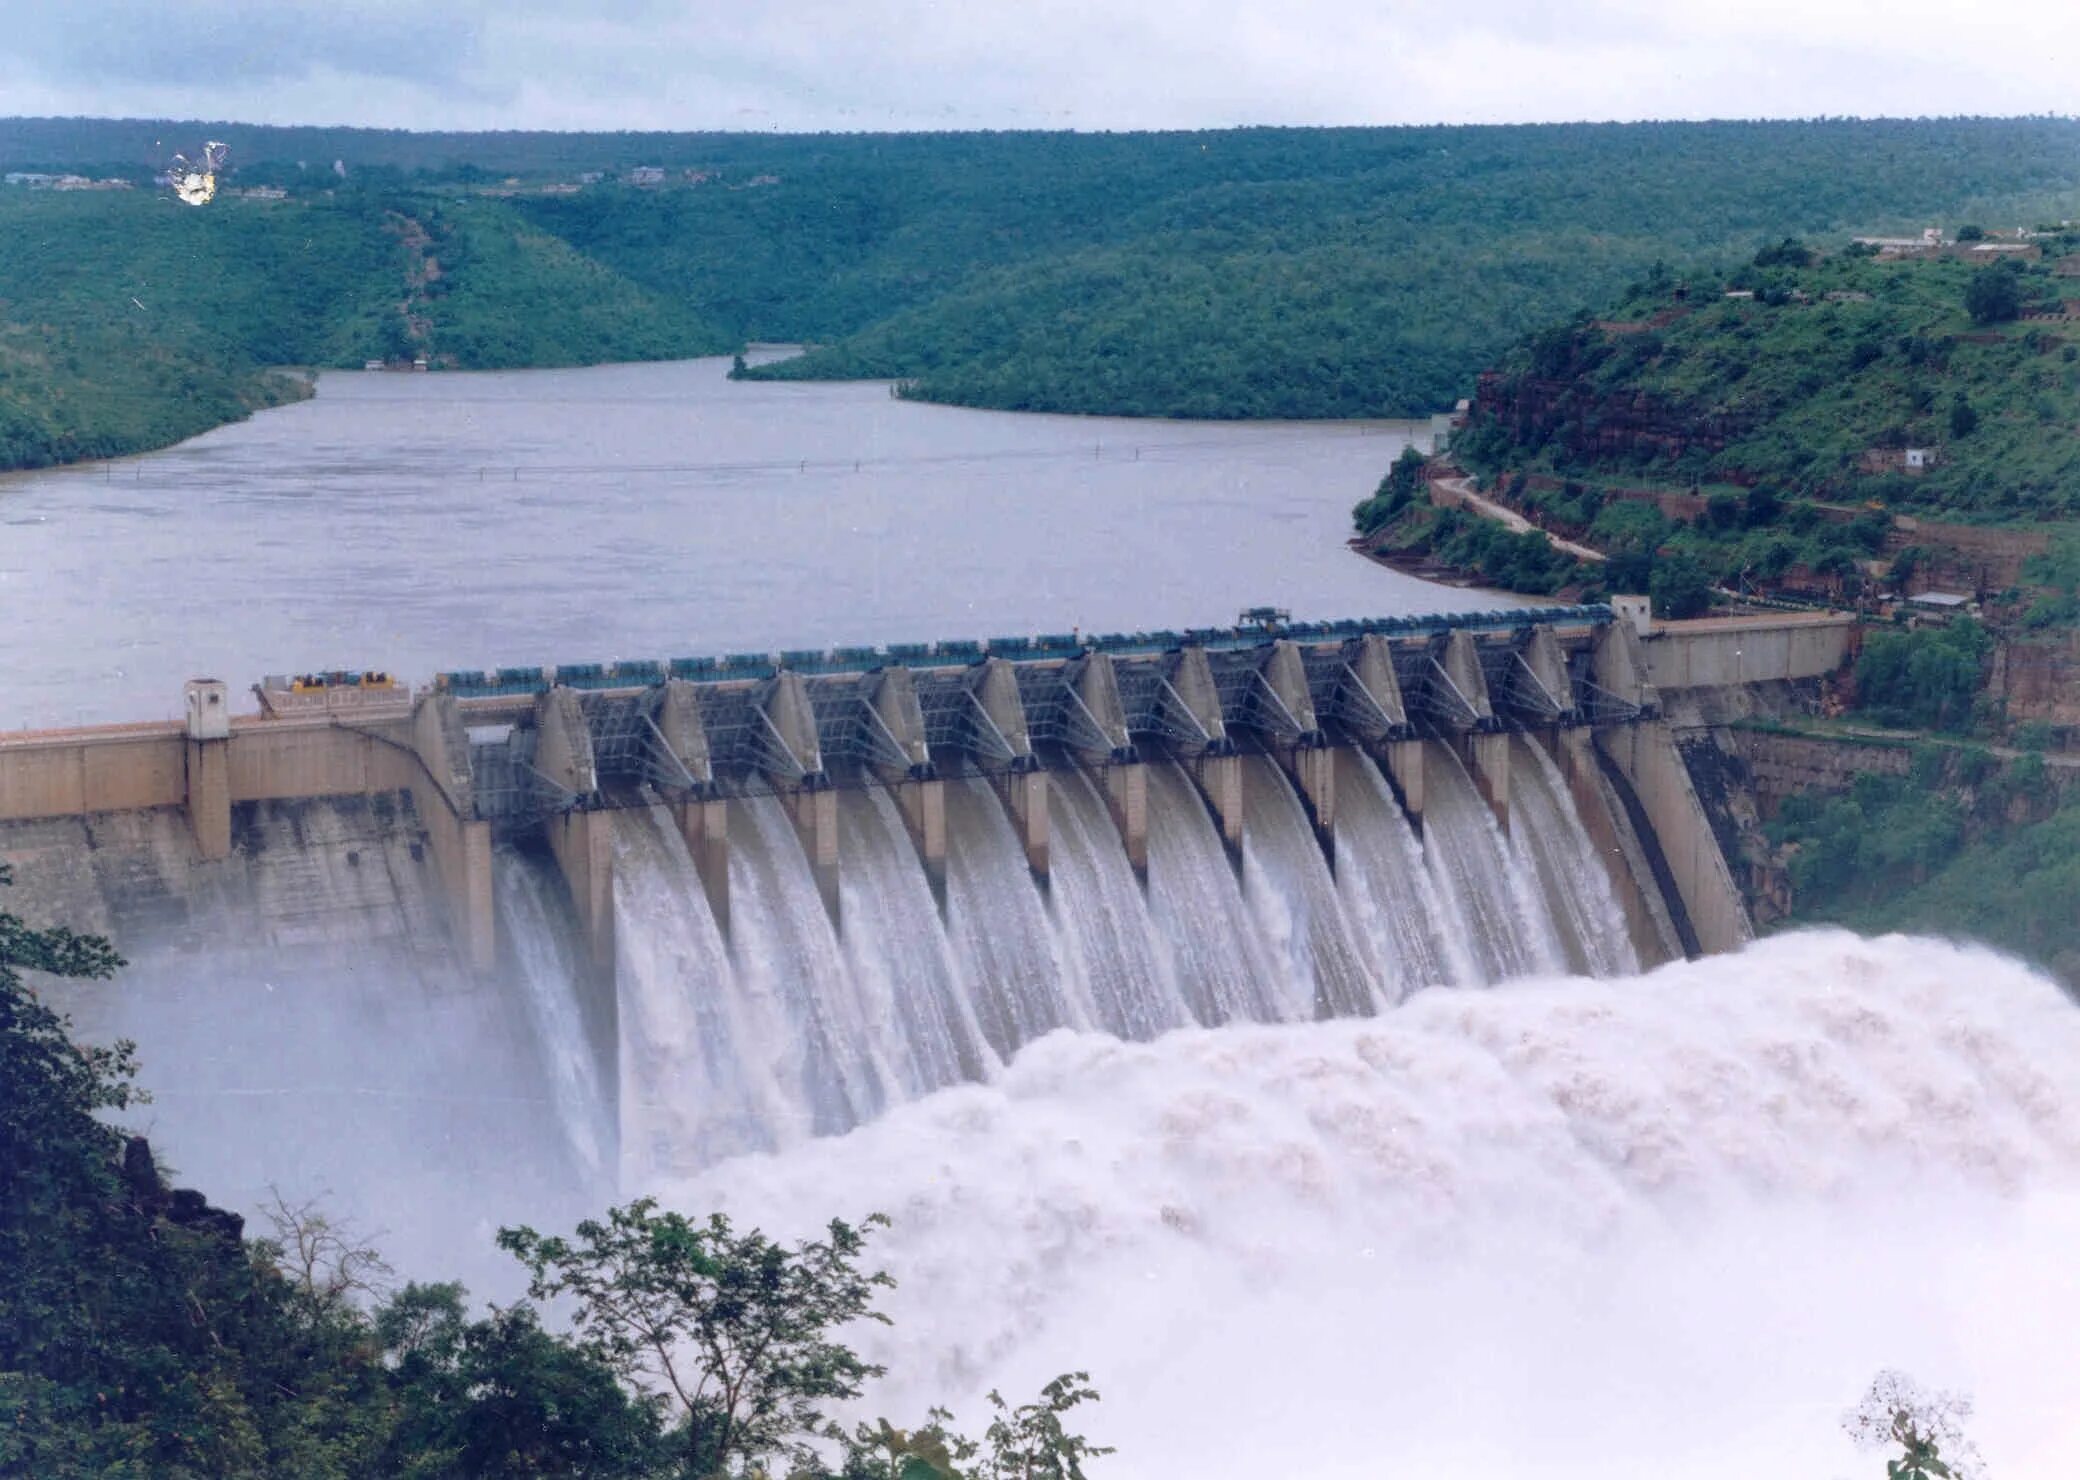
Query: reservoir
(426, 522)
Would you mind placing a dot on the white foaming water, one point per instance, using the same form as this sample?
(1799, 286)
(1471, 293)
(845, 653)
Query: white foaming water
(703, 1073)
(1667, 1225)
(786, 953)
(998, 923)
(531, 920)
(1488, 892)
(902, 963)
(1109, 951)
(1387, 892)
(1327, 971)
(1546, 830)
(1222, 962)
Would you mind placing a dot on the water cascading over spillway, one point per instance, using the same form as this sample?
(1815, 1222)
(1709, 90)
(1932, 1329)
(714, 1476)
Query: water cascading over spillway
(787, 955)
(705, 1066)
(903, 969)
(1325, 970)
(1545, 827)
(1489, 893)
(1005, 946)
(1224, 967)
(533, 920)
(793, 1028)
(1109, 950)
(1387, 892)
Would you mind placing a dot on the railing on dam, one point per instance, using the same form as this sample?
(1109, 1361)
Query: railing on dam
(808, 719)
(817, 662)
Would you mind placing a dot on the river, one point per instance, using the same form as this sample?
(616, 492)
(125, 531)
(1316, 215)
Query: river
(426, 522)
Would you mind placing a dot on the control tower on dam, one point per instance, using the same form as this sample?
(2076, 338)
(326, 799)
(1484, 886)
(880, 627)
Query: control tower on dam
(547, 755)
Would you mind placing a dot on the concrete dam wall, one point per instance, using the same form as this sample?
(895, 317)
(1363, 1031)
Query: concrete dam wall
(654, 914)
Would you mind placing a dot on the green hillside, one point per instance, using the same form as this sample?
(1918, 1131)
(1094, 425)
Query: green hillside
(1241, 273)
(1815, 384)
(129, 321)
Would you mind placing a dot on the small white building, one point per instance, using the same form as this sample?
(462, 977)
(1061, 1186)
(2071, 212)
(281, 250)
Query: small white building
(1638, 610)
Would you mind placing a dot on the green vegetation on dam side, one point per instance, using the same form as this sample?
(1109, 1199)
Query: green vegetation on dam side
(1242, 273)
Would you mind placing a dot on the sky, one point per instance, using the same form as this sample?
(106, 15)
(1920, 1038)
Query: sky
(1084, 64)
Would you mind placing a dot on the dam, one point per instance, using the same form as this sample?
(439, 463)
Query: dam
(661, 912)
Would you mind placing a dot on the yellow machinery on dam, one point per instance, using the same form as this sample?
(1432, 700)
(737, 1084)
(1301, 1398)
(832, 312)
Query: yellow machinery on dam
(550, 751)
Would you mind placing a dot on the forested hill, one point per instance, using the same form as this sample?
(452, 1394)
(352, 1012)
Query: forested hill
(1817, 374)
(1257, 272)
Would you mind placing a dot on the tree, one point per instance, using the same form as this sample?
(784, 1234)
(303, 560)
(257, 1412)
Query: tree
(1994, 295)
(1790, 252)
(1396, 491)
(1926, 678)
(1679, 587)
(733, 1328)
(1029, 1442)
(1897, 1413)
(1963, 419)
(501, 1397)
(324, 1259)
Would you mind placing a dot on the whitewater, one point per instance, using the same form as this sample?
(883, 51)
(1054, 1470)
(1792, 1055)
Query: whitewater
(1687, 1215)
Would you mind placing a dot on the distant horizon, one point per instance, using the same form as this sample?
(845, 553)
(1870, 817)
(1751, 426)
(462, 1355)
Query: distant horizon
(1085, 66)
(979, 130)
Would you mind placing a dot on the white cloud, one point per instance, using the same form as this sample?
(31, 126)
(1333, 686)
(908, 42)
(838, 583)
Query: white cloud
(804, 64)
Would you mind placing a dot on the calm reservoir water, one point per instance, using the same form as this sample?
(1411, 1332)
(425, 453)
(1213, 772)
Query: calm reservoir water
(419, 523)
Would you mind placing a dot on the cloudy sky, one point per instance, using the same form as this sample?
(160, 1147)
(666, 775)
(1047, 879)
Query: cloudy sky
(1093, 64)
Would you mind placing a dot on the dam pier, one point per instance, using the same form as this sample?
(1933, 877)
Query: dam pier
(479, 759)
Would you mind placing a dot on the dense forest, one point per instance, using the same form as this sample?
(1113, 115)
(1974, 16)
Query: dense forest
(1240, 273)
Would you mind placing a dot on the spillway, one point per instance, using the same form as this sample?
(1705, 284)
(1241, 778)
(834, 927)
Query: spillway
(536, 924)
(1223, 964)
(788, 959)
(795, 1027)
(1007, 950)
(1324, 968)
(709, 1066)
(1488, 890)
(903, 972)
(1387, 893)
(1545, 829)
(1109, 948)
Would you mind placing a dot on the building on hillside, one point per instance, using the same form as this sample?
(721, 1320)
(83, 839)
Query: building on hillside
(1927, 244)
(1940, 606)
(1913, 461)
(591, 177)
(645, 174)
